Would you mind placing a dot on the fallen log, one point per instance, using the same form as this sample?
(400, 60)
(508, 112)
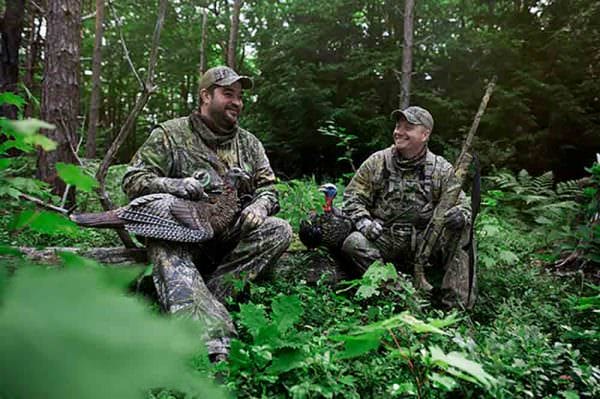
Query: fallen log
(112, 256)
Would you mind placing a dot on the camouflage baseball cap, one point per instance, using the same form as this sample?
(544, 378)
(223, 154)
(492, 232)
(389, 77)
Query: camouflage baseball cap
(416, 116)
(223, 76)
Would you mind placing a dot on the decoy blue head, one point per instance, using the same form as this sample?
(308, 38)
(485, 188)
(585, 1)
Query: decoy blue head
(330, 190)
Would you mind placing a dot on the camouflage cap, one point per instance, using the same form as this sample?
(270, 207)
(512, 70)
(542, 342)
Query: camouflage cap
(416, 116)
(223, 76)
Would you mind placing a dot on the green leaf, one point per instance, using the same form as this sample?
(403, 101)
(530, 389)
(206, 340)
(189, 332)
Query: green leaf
(285, 360)
(11, 98)
(444, 382)
(239, 358)
(357, 345)
(456, 364)
(286, 311)
(45, 223)
(569, 394)
(74, 175)
(406, 388)
(375, 276)
(5, 163)
(29, 126)
(252, 317)
(508, 257)
(65, 333)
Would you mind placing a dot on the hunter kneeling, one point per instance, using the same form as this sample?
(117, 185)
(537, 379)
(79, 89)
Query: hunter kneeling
(391, 200)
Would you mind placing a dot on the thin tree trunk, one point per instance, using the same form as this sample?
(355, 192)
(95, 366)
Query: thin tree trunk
(142, 99)
(90, 145)
(202, 66)
(33, 55)
(11, 26)
(407, 50)
(233, 33)
(60, 89)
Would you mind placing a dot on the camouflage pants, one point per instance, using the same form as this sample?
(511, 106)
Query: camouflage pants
(397, 245)
(189, 284)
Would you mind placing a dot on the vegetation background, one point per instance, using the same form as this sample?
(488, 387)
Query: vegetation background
(326, 79)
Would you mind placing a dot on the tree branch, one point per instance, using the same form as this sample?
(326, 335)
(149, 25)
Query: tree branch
(147, 89)
(125, 49)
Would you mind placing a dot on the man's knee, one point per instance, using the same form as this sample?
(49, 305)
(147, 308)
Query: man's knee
(279, 228)
(354, 243)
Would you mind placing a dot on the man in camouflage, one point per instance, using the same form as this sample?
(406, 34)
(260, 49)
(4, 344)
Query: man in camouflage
(391, 200)
(193, 280)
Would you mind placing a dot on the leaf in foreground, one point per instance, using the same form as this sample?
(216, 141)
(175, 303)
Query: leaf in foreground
(66, 334)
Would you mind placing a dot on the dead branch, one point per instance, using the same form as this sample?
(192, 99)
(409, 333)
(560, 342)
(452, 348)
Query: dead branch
(125, 49)
(44, 205)
(147, 90)
(116, 257)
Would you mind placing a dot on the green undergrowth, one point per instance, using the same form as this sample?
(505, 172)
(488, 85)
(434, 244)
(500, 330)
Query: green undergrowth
(533, 332)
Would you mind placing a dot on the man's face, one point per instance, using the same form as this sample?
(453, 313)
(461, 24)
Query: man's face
(410, 139)
(224, 106)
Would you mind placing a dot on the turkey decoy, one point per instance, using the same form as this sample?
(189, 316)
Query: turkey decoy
(330, 228)
(170, 218)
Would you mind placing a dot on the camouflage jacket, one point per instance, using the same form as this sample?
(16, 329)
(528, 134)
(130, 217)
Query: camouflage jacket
(397, 192)
(176, 149)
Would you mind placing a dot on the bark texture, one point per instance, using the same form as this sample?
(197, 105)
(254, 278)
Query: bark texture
(95, 99)
(11, 26)
(60, 88)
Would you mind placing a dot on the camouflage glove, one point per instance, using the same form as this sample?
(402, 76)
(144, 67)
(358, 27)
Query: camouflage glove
(454, 218)
(253, 215)
(371, 229)
(187, 188)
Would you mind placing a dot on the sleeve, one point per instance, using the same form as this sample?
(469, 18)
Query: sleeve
(359, 194)
(152, 161)
(265, 194)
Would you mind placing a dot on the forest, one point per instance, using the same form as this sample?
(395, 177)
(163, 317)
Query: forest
(82, 85)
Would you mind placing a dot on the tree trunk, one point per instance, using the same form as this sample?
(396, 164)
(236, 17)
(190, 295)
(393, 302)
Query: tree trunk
(11, 26)
(33, 56)
(60, 88)
(90, 145)
(202, 66)
(407, 49)
(233, 33)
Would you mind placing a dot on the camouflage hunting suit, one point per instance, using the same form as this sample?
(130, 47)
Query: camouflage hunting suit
(401, 195)
(194, 279)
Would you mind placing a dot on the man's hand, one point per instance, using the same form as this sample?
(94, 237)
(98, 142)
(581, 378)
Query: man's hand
(369, 228)
(454, 219)
(187, 188)
(252, 216)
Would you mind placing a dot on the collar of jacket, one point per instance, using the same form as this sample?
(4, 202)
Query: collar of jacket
(208, 136)
(410, 163)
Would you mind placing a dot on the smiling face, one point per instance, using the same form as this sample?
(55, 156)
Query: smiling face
(222, 107)
(410, 139)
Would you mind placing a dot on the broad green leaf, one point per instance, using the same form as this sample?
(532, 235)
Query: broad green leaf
(375, 276)
(44, 222)
(569, 395)
(238, 355)
(5, 163)
(357, 345)
(444, 382)
(286, 311)
(29, 126)
(66, 334)
(11, 98)
(74, 175)
(42, 141)
(285, 360)
(252, 317)
(456, 364)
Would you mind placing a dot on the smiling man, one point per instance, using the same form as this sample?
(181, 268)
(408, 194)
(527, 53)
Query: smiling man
(193, 280)
(391, 200)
